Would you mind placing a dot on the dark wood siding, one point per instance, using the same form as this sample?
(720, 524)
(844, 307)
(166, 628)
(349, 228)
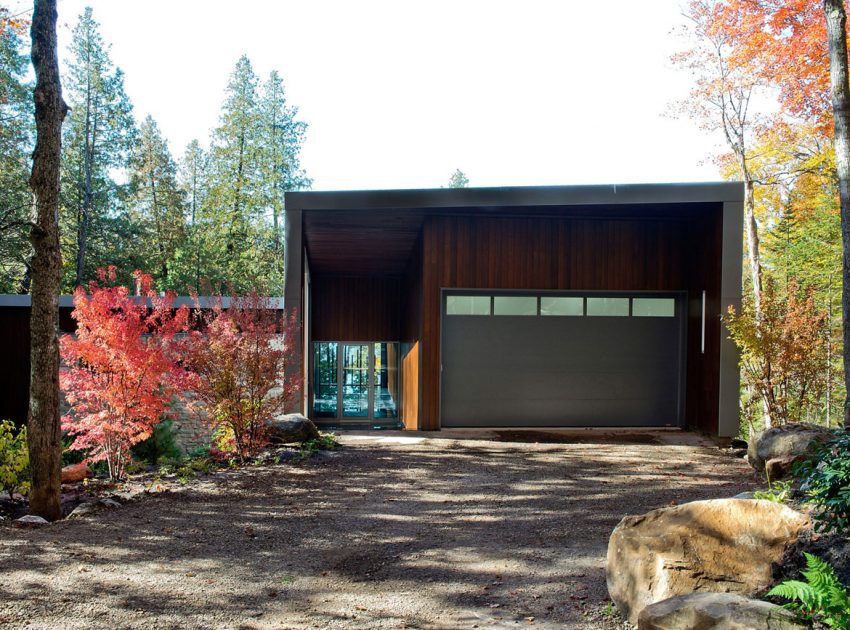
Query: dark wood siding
(355, 308)
(665, 252)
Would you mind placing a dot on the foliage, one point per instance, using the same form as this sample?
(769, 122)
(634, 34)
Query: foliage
(14, 459)
(777, 491)
(821, 596)
(161, 445)
(238, 360)
(782, 353)
(121, 372)
(458, 180)
(325, 442)
(825, 475)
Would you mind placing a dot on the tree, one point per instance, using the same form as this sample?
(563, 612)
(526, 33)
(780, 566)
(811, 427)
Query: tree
(191, 260)
(458, 180)
(97, 141)
(836, 23)
(156, 200)
(44, 433)
(122, 372)
(238, 361)
(15, 148)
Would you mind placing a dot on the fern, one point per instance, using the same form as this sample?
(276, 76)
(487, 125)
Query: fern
(822, 595)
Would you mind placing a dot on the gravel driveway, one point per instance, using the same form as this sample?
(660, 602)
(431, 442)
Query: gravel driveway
(387, 532)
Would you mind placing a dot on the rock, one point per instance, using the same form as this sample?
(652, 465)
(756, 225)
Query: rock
(30, 520)
(722, 545)
(84, 509)
(110, 503)
(716, 611)
(738, 443)
(75, 472)
(744, 495)
(787, 443)
(779, 467)
(292, 427)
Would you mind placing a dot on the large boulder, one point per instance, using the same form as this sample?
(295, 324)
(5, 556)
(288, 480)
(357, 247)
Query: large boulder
(722, 545)
(75, 472)
(716, 611)
(290, 428)
(778, 448)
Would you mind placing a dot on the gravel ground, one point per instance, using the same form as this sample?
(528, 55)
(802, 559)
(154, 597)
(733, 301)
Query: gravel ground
(386, 532)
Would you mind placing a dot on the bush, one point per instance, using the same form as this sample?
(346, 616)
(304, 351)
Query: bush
(825, 477)
(14, 459)
(161, 445)
(821, 596)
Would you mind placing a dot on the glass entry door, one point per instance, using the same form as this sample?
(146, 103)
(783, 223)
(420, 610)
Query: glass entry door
(355, 380)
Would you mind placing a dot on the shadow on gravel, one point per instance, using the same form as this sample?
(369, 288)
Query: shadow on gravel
(413, 532)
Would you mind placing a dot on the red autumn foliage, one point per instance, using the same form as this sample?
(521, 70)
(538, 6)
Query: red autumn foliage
(121, 373)
(244, 368)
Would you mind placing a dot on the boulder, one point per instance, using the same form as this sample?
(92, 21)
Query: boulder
(84, 509)
(30, 520)
(716, 611)
(785, 444)
(289, 428)
(722, 546)
(75, 472)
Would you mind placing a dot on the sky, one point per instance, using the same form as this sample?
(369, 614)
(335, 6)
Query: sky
(399, 94)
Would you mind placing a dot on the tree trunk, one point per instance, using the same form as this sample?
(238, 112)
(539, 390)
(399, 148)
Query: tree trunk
(836, 32)
(44, 436)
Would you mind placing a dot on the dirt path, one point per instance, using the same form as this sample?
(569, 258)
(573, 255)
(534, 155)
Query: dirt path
(432, 533)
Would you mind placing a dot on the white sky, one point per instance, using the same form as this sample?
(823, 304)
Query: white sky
(398, 94)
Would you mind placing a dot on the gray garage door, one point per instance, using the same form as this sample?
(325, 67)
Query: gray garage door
(579, 360)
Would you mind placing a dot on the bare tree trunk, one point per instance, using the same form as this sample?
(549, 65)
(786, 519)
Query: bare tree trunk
(44, 436)
(836, 33)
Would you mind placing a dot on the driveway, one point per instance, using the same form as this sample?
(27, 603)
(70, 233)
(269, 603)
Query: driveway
(453, 530)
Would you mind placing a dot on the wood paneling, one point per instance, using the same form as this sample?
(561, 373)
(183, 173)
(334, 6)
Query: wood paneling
(571, 253)
(355, 308)
(410, 388)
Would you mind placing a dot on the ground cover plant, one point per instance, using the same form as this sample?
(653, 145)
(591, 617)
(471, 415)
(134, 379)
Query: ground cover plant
(825, 478)
(14, 459)
(821, 596)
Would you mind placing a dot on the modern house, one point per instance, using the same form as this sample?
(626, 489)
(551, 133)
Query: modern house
(573, 306)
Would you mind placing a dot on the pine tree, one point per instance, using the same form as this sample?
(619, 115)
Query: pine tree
(192, 260)
(15, 147)
(97, 140)
(156, 202)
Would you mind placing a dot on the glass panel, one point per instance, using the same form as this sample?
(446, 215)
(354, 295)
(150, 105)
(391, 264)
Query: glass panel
(324, 380)
(514, 305)
(608, 306)
(386, 380)
(653, 307)
(468, 305)
(562, 306)
(355, 381)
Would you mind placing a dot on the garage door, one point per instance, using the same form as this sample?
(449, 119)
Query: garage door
(565, 360)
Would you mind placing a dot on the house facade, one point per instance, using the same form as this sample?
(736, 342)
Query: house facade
(569, 306)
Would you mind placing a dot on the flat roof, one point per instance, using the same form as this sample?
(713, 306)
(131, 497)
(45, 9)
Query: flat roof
(605, 194)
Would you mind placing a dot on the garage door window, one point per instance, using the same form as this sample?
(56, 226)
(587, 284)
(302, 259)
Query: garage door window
(564, 306)
(607, 307)
(514, 305)
(468, 305)
(653, 307)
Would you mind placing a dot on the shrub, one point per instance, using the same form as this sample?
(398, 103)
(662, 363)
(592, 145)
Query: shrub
(825, 477)
(121, 374)
(821, 596)
(14, 459)
(238, 358)
(161, 445)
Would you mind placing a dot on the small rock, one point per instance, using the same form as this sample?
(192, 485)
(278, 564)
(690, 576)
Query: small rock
(738, 443)
(30, 520)
(84, 509)
(710, 611)
(110, 503)
(785, 443)
(744, 495)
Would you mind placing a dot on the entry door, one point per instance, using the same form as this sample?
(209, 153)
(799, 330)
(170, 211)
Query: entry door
(355, 381)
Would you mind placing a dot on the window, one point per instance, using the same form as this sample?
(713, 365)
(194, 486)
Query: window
(607, 307)
(653, 307)
(385, 380)
(325, 380)
(468, 305)
(514, 305)
(568, 306)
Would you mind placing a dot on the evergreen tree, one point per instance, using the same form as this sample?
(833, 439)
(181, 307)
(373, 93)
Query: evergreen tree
(192, 260)
(15, 146)
(97, 138)
(156, 202)
(458, 180)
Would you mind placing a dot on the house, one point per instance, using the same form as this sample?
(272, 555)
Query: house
(568, 306)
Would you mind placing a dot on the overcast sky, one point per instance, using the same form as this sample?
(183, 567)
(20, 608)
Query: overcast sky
(399, 94)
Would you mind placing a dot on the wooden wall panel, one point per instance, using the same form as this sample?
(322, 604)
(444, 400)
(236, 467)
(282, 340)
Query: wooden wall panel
(355, 308)
(569, 253)
(410, 388)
